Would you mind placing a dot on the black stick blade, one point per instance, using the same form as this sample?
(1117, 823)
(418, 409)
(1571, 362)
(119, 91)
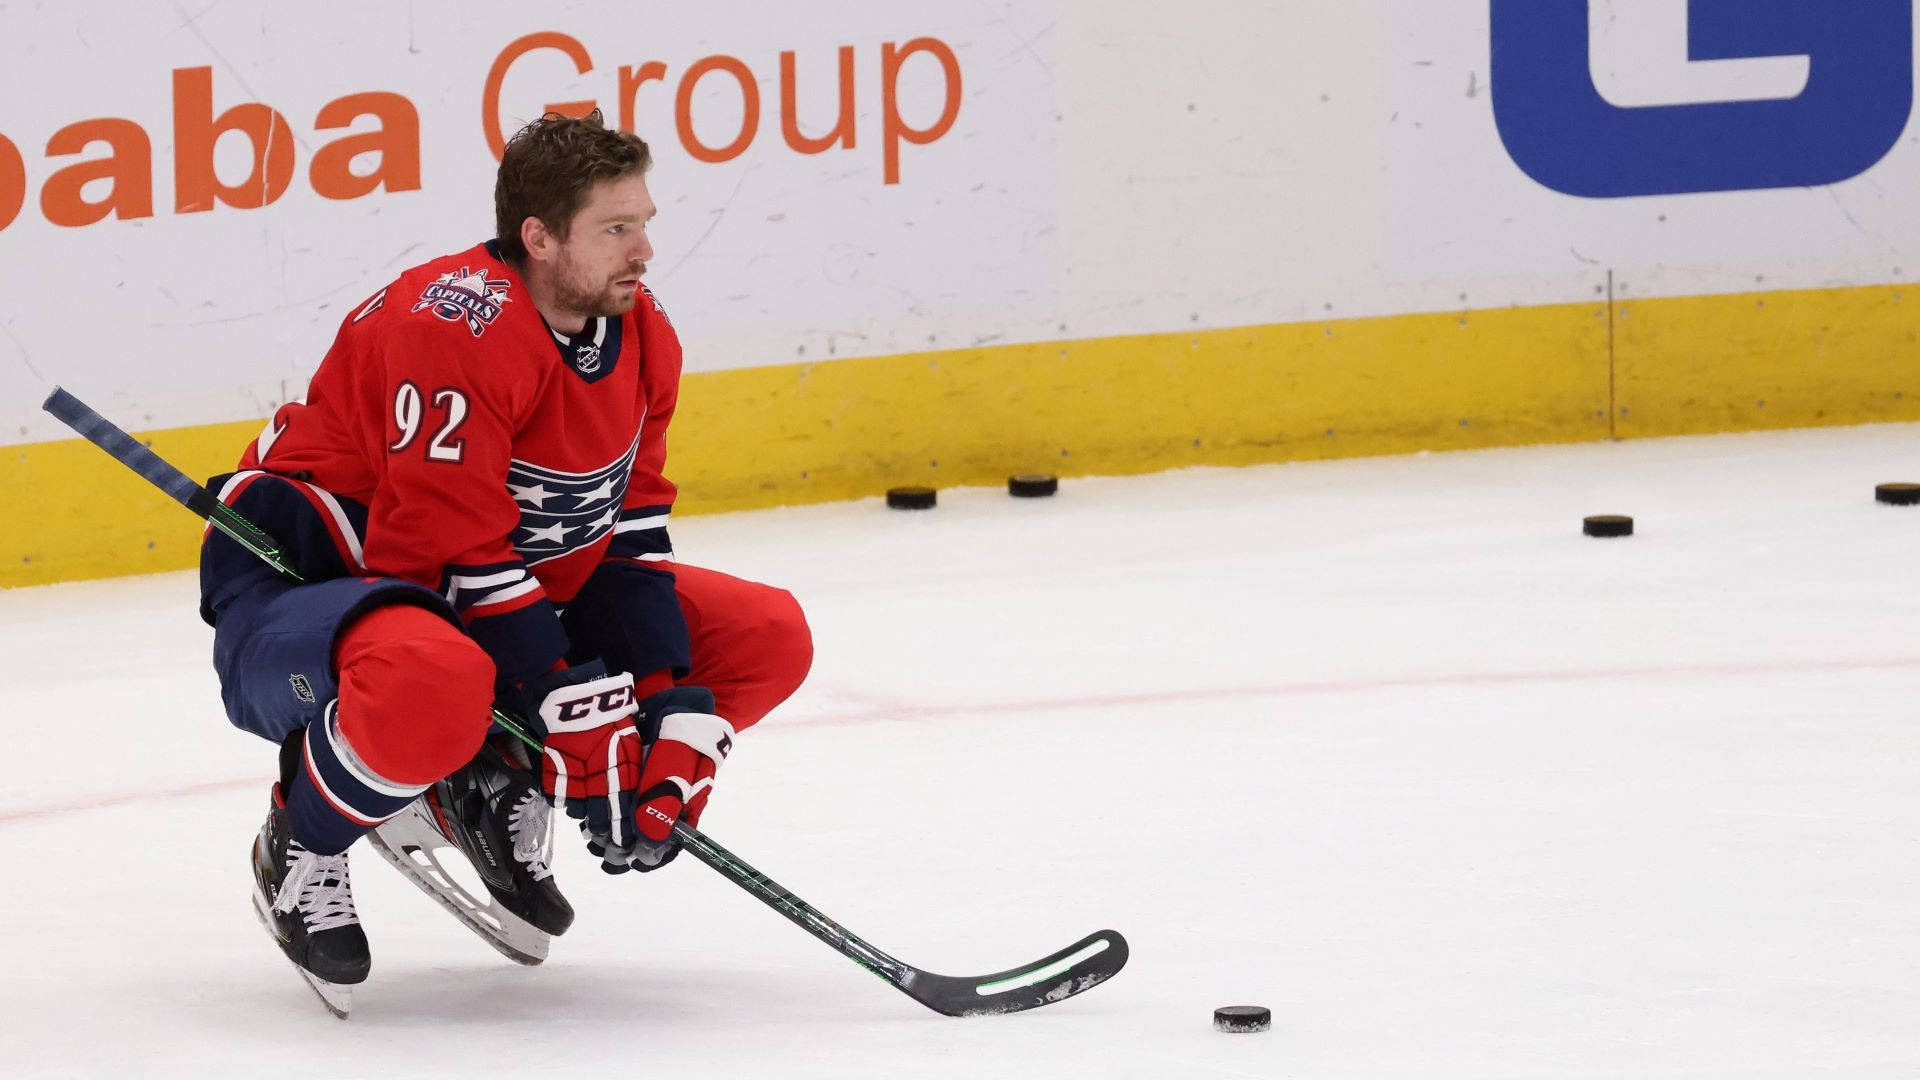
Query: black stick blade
(1075, 969)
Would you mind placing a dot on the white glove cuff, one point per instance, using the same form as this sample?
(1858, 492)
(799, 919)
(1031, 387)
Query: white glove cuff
(706, 733)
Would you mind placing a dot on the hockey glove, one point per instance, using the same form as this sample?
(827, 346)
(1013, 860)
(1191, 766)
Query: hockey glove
(590, 763)
(685, 743)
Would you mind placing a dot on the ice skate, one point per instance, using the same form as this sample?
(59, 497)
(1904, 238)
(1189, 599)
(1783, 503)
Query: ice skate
(491, 813)
(306, 902)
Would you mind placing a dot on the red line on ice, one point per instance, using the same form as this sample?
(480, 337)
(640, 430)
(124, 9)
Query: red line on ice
(878, 711)
(902, 711)
(14, 817)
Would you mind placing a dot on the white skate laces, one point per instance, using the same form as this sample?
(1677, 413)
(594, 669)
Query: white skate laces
(530, 826)
(317, 885)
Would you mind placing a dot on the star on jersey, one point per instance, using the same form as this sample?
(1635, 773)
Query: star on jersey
(552, 534)
(534, 495)
(562, 512)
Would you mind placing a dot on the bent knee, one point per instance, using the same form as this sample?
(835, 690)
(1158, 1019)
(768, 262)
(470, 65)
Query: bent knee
(415, 693)
(780, 644)
(789, 640)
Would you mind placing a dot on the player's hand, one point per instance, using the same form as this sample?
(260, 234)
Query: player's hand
(685, 744)
(590, 761)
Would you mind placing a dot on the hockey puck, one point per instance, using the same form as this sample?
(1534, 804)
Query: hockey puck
(1607, 525)
(911, 498)
(1032, 485)
(1898, 494)
(1236, 1019)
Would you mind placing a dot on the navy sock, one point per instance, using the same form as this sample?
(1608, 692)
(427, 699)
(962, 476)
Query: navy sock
(333, 798)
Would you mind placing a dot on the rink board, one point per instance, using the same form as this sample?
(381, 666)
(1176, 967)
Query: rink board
(805, 433)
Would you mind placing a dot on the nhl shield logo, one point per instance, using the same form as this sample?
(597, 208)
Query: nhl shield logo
(467, 295)
(587, 359)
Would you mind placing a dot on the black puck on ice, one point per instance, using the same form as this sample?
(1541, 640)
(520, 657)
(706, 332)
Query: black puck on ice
(911, 498)
(1242, 1018)
(1607, 525)
(1032, 485)
(1897, 494)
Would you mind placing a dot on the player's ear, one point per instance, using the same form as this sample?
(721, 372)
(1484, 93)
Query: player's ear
(537, 238)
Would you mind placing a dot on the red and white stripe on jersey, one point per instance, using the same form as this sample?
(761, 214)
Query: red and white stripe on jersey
(346, 539)
(495, 589)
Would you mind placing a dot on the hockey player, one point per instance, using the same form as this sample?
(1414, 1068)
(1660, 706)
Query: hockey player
(472, 491)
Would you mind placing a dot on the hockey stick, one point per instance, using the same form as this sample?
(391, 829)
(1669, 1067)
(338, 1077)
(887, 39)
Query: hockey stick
(154, 469)
(1079, 967)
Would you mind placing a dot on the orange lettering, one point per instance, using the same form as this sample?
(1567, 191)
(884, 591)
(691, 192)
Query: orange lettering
(683, 109)
(13, 182)
(892, 127)
(396, 140)
(129, 166)
(789, 112)
(196, 130)
(631, 79)
(497, 74)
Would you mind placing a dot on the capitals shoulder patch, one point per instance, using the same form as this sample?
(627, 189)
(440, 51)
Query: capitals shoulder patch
(467, 295)
(656, 303)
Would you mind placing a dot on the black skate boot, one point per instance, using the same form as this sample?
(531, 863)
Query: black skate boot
(492, 812)
(306, 901)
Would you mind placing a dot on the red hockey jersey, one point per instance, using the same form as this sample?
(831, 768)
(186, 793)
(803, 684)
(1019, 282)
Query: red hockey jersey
(497, 460)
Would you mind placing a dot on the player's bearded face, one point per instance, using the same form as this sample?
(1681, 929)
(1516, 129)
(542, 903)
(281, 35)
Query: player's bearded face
(597, 269)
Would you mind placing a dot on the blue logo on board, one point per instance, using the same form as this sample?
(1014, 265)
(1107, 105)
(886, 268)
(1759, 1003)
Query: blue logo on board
(1563, 133)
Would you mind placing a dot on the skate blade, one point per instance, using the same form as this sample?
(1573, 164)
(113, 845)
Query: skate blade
(337, 997)
(412, 844)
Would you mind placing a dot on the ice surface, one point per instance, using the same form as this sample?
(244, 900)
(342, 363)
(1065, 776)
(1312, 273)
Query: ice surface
(1384, 745)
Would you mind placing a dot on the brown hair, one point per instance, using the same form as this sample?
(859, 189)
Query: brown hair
(549, 167)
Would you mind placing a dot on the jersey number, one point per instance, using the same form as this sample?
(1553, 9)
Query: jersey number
(409, 410)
